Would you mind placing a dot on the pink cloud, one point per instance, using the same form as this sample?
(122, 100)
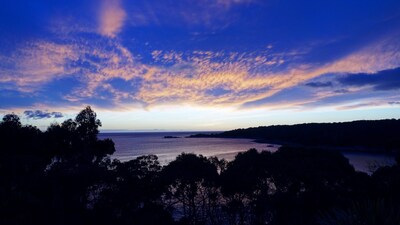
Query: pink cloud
(38, 63)
(179, 77)
(111, 18)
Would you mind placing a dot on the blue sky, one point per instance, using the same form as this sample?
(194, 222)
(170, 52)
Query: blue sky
(200, 64)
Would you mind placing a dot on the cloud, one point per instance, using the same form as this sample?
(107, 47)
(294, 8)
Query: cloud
(111, 18)
(197, 77)
(105, 72)
(361, 105)
(319, 84)
(374, 57)
(36, 63)
(384, 80)
(229, 3)
(394, 103)
(103, 65)
(89, 64)
(342, 91)
(39, 114)
(212, 14)
(379, 55)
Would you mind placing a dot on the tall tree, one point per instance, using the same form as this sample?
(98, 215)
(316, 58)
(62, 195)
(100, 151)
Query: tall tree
(87, 125)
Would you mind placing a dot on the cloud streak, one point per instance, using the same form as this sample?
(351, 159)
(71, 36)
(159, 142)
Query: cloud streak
(39, 114)
(37, 63)
(383, 80)
(319, 84)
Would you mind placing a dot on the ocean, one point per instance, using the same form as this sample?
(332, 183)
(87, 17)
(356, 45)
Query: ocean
(131, 145)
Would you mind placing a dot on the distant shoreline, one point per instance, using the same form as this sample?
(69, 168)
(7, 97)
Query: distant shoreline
(367, 136)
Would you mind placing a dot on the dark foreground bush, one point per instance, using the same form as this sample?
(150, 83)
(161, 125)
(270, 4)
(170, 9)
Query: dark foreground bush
(65, 176)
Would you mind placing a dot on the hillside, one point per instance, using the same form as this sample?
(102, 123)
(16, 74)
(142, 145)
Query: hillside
(364, 133)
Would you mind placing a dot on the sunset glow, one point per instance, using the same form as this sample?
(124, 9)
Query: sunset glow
(200, 65)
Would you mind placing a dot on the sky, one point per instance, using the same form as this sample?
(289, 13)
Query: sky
(150, 65)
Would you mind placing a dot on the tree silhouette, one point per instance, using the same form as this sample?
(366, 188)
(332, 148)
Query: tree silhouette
(11, 120)
(65, 176)
(191, 187)
(366, 212)
(23, 159)
(76, 140)
(81, 164)
(245, 184)
(133, 196)
(87, 125)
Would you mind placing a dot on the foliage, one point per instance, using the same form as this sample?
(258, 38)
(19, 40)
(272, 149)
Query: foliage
(376, 134)
(363, 213)
(65, 176)
(190, 182)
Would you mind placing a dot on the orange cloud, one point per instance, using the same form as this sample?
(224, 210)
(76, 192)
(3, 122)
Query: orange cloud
(203, 71)
(205, 78)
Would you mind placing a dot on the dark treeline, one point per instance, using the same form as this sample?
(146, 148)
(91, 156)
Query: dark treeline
(382, 134)
(65, 176)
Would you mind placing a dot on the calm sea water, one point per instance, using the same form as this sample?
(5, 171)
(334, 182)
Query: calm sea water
(131, 145)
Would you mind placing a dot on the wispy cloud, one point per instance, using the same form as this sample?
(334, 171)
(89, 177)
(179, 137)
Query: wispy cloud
(206, 13)
(111, 18)
(107, 71)
(249, 77)
(37, 63)
(368, 103)
(375, 57)
(229, 3)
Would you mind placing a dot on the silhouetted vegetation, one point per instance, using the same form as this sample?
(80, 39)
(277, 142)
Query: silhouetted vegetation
(65, 176)
(377, 134)
(171, 137)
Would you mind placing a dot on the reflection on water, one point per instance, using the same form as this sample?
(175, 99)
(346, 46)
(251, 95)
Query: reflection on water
(131, 145)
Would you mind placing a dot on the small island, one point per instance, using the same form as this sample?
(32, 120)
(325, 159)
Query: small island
(171, 136)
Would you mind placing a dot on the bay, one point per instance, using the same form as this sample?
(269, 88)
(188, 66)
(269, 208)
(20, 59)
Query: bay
(133, 144)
